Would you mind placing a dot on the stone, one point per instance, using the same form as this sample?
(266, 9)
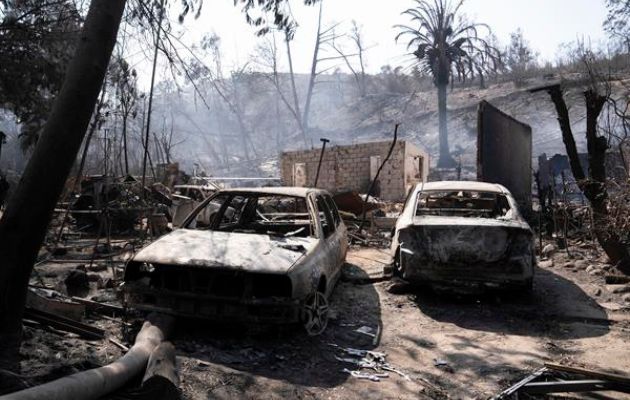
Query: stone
(97, 267)
(626, 298)
(594, 270)
(77, 282)
(597, 292)
(581, 264)
(548, 250)
(568, 265)
(545, 264)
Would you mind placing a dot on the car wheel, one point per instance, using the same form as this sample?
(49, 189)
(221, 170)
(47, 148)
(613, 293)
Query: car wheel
(315, 313)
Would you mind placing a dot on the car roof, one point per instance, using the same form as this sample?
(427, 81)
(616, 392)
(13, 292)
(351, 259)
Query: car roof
(462, 185)
(279, 190)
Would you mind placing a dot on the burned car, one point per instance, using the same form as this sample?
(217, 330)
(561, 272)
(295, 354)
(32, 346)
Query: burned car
(266, 255)
(467, 235)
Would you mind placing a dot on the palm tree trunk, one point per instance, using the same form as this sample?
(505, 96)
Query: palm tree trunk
(445, 160)
(24, 223)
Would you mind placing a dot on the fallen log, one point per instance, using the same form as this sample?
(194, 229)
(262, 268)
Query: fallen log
(160, 381)
(67, 309)
(98, 382)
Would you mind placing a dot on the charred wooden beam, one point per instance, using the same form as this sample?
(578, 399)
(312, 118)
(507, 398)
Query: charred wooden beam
(100, 307)
(64, 324)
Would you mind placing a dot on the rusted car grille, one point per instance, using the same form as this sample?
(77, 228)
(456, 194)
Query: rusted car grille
(219, 283)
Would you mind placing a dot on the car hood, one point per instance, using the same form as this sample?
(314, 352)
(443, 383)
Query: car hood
(214, 249)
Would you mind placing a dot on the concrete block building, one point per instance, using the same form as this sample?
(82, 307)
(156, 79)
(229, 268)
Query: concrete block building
(352, 167)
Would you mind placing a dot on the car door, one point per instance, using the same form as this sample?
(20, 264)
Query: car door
(330, 244)
(339, 240)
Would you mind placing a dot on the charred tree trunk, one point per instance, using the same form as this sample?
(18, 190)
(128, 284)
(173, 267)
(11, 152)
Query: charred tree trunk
(593, 186)
(567, 134)
(160, 380)
(24, 223)
(445, 160)
(124, 140)
(311, 80)
(482, 80)
(296, 101)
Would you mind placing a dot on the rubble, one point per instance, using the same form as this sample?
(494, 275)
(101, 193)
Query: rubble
(368, 360)
(371, 312)
(594, 271)
(555, 378)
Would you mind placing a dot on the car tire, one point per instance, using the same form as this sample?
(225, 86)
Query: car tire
(395, 266)
(315, 313)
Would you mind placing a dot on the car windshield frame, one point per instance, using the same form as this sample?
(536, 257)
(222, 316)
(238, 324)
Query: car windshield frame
(251, 199)
(467, 203)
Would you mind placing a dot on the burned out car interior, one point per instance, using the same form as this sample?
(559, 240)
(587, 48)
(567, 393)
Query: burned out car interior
(275, 215)
(463, 203)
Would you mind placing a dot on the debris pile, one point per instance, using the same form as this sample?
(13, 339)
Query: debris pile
(554, 378)
(363, 360)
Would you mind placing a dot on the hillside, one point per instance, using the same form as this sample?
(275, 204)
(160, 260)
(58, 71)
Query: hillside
(341, 116)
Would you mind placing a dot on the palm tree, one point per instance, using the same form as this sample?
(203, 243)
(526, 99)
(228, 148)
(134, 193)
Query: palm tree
(445, 45)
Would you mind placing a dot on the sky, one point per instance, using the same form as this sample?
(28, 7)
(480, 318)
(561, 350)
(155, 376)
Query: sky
(546, 25)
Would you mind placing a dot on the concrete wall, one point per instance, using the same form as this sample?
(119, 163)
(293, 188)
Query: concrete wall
(348, 168)
(504, 153)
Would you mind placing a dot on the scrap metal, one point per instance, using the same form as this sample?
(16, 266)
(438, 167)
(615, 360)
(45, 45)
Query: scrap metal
(555, 378)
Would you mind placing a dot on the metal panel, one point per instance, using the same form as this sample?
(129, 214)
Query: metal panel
(504, 153)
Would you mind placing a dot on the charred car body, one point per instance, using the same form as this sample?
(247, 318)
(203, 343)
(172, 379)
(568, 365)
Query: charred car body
(468, 235)
(267, 255)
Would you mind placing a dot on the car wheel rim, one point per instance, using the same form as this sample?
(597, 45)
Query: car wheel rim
(315, 314)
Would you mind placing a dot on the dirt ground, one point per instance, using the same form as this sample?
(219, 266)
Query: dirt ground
(483, 343)
(486, 342)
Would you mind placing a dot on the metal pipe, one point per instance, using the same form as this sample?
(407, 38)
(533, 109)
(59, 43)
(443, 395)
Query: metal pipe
(321, 157)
